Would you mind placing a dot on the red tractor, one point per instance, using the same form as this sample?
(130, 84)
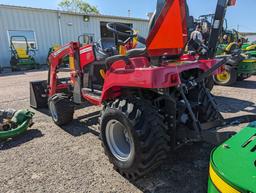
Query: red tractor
(154, 99)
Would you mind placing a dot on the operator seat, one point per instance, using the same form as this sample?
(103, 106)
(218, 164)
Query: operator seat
(130, 54)
(143, 51)
(101, 54)
(136, 52)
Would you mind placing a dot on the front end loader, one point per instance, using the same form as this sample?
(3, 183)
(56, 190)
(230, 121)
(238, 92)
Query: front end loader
(154, 99)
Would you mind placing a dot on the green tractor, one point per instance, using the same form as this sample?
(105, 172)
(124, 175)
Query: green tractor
(238, 71)
(233, 164)
(22, 57)
(243, 69)
(229, 41)
(249, 47)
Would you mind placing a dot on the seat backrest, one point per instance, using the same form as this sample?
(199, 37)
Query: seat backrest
(159, 7)
(168, 33)
(21, 52)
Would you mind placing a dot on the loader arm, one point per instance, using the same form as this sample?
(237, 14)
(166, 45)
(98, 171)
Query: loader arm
(72, 51)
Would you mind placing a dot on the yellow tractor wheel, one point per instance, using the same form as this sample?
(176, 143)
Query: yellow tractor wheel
(227, 78)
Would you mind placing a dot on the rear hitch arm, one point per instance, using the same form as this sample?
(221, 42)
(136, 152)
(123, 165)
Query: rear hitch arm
(196, 124)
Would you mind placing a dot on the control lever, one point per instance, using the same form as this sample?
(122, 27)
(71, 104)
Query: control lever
(202, 77)
(233, 58)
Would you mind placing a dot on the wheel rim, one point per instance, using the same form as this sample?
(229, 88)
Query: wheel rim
(120, 141)
(223, 77)
(53, 111)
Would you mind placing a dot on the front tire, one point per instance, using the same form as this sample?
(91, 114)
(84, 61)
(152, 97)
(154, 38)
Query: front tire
(134, 137)
(61, 109)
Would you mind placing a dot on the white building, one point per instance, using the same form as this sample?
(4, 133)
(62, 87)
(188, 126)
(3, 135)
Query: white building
(44, 28)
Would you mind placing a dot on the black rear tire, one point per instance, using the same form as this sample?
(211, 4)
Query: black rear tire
(209, 83)
(61, 109)
(208, 109)
(147, 130)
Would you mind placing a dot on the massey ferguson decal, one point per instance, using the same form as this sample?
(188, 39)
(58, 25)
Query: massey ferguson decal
(89, 49)
(60, 50)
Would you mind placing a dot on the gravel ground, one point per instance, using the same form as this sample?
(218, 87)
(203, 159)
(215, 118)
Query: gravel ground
(70, 159)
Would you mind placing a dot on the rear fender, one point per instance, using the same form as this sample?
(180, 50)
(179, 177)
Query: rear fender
(142, 75)
(137, 75)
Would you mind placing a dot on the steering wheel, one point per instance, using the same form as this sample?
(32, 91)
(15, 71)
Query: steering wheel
(129, 32)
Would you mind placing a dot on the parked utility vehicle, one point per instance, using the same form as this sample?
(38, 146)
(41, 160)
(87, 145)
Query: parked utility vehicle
(22, 57)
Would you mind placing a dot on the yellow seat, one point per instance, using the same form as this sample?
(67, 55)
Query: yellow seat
(21, 52)
(252, 47)
(232, 46)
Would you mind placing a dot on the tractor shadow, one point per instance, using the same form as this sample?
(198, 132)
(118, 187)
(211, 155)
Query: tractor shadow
(84, 124)
(246, 84)
(81, 125)
(44, 111)
(30, 135)
(23, 72)
(186, 170)
(232, 105)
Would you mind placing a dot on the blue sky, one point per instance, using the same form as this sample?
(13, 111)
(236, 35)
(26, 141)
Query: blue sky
(239, 15)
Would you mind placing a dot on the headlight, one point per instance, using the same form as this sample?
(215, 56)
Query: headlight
(220, 184)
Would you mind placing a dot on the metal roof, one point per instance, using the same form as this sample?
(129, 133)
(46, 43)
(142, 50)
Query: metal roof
(74, 13)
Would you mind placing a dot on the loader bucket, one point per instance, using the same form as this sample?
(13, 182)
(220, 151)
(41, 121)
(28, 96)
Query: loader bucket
(38, 94)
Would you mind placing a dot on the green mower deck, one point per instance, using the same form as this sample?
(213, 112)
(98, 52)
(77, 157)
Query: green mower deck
(233, 164)
(24, 64)
(22, 120)
(247, 68)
